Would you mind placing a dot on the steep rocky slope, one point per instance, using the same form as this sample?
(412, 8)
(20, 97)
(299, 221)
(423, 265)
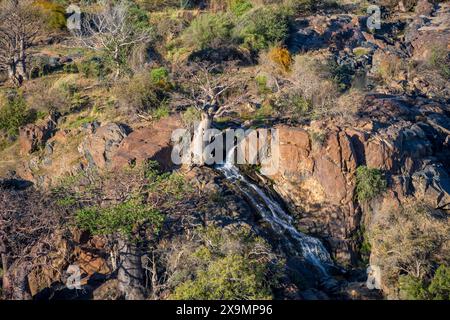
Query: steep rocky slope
(400, 126)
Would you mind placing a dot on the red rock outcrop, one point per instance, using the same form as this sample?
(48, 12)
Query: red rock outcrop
(317, 176)
(33, 136)
(148, 143)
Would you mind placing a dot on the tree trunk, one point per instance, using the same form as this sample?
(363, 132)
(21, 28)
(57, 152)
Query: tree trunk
(4, 260)
(13, 75)
(22, 61)
(198, 143)
(130, 274)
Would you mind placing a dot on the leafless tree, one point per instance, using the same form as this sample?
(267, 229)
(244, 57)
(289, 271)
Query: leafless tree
(28, 220)
(20, 24)
(112, 31)
(213, 90)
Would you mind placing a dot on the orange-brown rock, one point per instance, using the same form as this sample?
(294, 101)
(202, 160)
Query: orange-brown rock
(148, 143)
(33, 136)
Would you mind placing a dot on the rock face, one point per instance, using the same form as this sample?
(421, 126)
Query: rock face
(429, 29)
(99, 147)
(149, 143)
(34, 136)
(110, 146)
(319, 32)
(317, 176)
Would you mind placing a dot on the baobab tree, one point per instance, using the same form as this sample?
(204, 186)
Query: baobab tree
(114, 31)
(213, 90)
(20, 24)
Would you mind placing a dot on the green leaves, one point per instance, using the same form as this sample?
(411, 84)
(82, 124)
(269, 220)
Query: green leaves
(228, 266)
(14, 114)
(229, 278)
(263, 27)
(122, 218)
(369, 183)
(207, 30)
(413, 288)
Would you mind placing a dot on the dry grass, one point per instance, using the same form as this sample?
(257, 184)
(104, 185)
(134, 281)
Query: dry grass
(410, 241)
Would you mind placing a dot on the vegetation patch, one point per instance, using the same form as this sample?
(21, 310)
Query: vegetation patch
(369, 183)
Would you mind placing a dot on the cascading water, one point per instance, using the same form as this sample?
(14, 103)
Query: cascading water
(271, 212)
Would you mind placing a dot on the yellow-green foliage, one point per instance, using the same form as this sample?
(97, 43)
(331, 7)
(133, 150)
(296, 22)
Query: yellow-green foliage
(121, 218)
(228, 265)
(239, 7)
(282, 57)
(438, 288)
(53, 13)
(207, 30)
(369, 183)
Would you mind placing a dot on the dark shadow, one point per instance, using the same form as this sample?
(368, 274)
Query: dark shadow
(15, 184)
(221, 54)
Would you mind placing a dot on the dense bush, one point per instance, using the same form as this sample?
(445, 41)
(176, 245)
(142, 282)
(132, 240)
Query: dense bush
(229, 278)
(438, 288)
(55, 14)
(265, 26)
(94, 67)
(122, 218)
(228, 266)
(239, 7)
(14, 114)
(369, 183)
(141, 93)
(160, 77)
(208, 30)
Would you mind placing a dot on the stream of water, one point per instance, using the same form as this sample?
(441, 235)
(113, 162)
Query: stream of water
(272, 212)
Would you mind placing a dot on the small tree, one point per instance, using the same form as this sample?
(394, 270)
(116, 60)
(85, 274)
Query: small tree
(208, 88)
(115, 30)
(20, 23)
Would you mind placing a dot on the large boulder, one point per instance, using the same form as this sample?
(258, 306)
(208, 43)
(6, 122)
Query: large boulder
(99, 147)
(34, 136)
(148, 143)
(317, 175)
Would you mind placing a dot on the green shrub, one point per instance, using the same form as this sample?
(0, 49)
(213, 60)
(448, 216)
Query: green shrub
(54, 14)
(342, 75)
(94, 67)
(122, 218)
(239, 7)
(208, 30)
(140, 93)
(369, 183)
(230, 278)
(159, 75)
(162, 111)
(439, 288)
(261, 82)
(295, 105)
(440, 59)
(412, 288)
(263, 27)
(228, 265)
(14, 114)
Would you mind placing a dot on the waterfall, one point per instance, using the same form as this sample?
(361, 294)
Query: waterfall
(271, 212)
